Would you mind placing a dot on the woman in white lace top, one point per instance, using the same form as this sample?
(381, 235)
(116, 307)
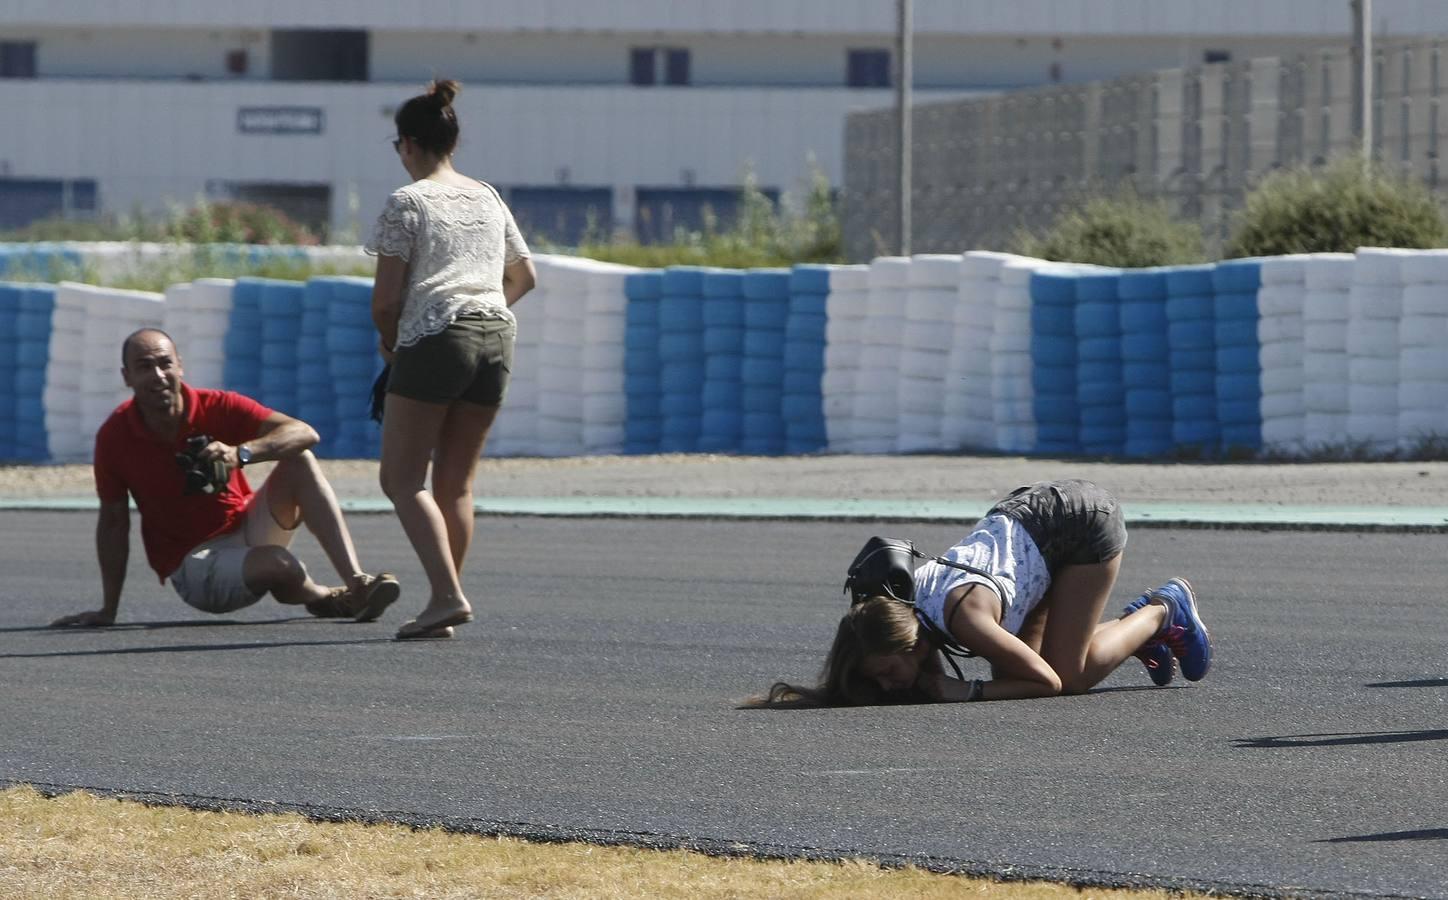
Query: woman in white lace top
(450, 265)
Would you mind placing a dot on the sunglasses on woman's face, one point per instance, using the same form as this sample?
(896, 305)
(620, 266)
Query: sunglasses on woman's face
(397, 145)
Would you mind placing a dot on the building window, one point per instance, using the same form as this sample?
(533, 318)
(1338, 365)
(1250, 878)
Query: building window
(660, 212)
(318, 55)
(869, 68)
(17, 59)
(563, 215)
(658, 65)
(1216, 56)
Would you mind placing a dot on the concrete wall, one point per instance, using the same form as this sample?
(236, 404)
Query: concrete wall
(152, 145)
(853, 17)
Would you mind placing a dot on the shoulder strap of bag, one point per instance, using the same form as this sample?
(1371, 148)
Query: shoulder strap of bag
(949, 646)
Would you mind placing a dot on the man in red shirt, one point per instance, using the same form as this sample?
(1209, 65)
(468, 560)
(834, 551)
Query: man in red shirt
(225, 549)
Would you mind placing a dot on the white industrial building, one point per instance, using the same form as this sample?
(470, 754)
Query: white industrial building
(627, 114)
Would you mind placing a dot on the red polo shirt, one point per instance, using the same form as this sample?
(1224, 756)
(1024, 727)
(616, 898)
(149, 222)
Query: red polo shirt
(130, 458)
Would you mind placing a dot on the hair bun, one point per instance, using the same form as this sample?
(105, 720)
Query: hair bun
(444, 92)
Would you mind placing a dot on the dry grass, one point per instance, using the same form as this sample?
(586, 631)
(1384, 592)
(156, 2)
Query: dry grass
(82, 846)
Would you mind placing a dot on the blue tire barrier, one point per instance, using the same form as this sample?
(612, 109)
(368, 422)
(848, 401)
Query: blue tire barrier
(723, 341)
(722, 397)
(1137, 375)
(1190, 280)
(1236, 333)
(1096, 351)
(1144, 346)
(349, 339)
(1194, 335)
(1201, 434)
(1097, 287)
(1100, 396)
(1239, 412)
(764, 344)
(1194, 408)
(1098, 371)
(685, 281)
(809, 305)
(1242, 437)
(1236, 306)
(1056, 408)
(1191, 308)
(765, 403)
(1053, 320)
(762, 372)
(1238, 359)
(1237, 276)
(810, 279)
(718, 312)
(1148, 405)
(723, 367)
(723, 283)
(1097, 319)
(802, 383)
(1047, 379)
(767, 284)
(1053, 288)
(766, 315)
(680, 314)
(1138, 284)
(1144, 317)
(1194, 381)
(681, 347)
(1060, 350)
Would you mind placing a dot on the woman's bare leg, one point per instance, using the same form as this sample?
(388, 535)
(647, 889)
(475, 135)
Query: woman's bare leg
(1081, 648)
(410, 434)
(454, 464)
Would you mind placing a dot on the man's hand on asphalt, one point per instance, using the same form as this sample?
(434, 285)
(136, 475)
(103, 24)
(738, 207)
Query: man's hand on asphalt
(95, 618)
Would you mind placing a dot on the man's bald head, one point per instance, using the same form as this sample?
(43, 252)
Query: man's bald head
(134, 337)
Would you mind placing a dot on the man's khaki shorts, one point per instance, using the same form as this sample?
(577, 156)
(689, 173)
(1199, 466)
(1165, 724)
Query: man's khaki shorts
(210, 577)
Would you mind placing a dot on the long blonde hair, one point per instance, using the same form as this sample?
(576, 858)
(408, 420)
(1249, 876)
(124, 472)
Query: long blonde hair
(873, 627)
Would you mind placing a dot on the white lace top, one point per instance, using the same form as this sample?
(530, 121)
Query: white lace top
(1001, 546)
(456, 241)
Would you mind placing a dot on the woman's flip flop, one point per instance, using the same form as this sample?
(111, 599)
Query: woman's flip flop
(415, 630)
(436, 634)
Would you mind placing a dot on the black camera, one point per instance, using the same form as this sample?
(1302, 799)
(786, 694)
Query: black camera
(202, 476)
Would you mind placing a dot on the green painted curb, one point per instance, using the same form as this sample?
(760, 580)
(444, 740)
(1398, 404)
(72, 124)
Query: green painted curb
(1138, 515)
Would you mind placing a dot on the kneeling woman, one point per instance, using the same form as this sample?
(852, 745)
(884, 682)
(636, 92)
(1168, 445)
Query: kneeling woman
(1047, 557)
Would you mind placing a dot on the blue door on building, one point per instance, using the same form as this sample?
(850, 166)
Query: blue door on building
(27, 200)
(564, 216)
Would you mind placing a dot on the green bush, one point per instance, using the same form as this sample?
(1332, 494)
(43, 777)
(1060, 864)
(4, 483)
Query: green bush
(1125, 231)
(1336, 208)
(205, 223)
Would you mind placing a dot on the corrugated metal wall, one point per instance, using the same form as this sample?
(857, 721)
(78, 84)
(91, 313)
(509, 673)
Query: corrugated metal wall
(1199, 137)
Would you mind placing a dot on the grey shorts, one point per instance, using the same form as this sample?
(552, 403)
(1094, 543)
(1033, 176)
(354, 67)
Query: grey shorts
(469, 360)
(1073, 522)
(210, 578)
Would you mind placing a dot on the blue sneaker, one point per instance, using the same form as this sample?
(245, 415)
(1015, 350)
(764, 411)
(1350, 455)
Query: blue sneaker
(1185, 633)
(1156, 656)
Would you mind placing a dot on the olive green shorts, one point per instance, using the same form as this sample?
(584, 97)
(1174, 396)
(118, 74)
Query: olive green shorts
(470, 360)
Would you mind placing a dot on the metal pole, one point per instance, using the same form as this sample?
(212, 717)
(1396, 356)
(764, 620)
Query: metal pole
(1362, 45)
(904, 75)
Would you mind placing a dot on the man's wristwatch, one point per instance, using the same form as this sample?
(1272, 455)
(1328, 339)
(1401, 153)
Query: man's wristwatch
(243, 456)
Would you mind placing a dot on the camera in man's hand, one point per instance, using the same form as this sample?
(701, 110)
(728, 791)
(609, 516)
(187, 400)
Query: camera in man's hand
(203, 476)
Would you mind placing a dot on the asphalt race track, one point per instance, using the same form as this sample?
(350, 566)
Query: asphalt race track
(592, 699)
